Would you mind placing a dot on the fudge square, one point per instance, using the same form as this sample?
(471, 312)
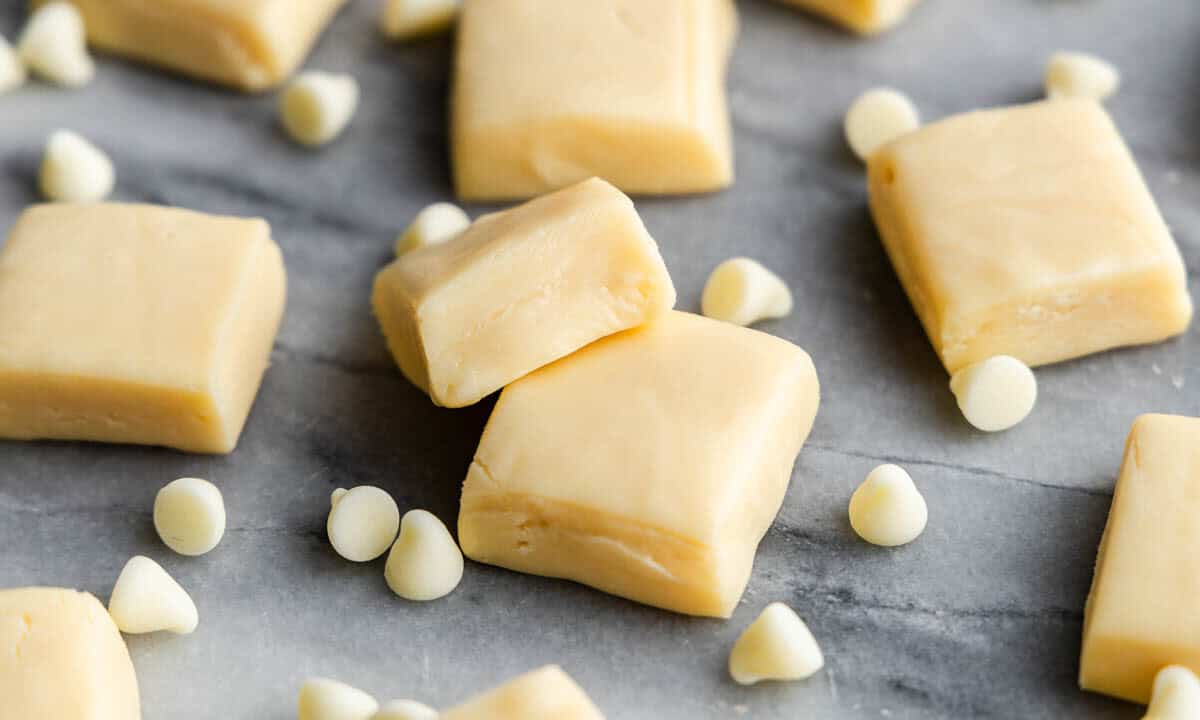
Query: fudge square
(548, 93)
(249, 44)
(547, 693)
(649, 464)
(135, 324)
(62, 658)
(1027, 231)
(862, 16)
(1143, 612)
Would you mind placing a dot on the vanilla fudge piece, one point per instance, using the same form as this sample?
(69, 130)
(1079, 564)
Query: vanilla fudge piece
(62, 658)
(520, 289)
(1027, 231)
(135, 324)
(248, 44)
(648, 465)
(862, 16)
(1141, 614)
(548, 93)
(544, 694)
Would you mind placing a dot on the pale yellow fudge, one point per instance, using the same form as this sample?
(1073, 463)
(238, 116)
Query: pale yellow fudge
(135, 324)
(648, 465)
(544, 694)
(520, 289)
(548, 93)
(862, 16)
(1142, 612)
(249, 44)
(61, 658)
(1027, 231)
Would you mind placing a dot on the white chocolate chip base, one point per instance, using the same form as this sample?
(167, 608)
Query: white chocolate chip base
(995, 394)
(317, 106)
(189, 516)
(1080, 75)
(742, 291)
(362, 523)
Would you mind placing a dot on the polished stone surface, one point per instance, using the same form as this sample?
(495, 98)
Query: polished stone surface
(979, 618)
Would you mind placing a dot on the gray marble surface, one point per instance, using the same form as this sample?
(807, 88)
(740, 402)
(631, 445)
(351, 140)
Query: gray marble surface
(979, 618)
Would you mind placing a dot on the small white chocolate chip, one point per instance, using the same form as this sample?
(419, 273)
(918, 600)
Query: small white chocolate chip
(189, 515)
(1079, 75)
(336, 496)
(434, 225)
(54, 47)
(425, 563)
(406, 19)
(12, 70)
(1176, 695)
(878, 117)
(325, 699)
(405, 710)
(995, 394)
(317, 106)
(742, 291)
(776, 646)
(75, 170)
(887, 509)
(147, 599)
(362, 523)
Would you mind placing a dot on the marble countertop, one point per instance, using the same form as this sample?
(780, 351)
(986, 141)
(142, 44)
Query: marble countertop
(979, 618)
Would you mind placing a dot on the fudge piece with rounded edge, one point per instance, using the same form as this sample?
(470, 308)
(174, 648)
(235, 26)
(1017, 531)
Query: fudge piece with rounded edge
(862, 16)
(548, 93)
(547, 693)
(648, 465)
(1027, 231)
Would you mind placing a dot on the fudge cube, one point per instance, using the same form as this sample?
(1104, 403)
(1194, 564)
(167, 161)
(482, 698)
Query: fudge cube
(548, 93)
(520, 289)
(1142, 612)
(249, 44)
(135, 324)
(544, 694)
(62, 658)
(648, 465)
(862, 16)
(1027, 231)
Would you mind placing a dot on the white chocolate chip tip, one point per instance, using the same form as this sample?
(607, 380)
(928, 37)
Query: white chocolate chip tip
(53, 46)
(12, 69)
(1080, 75)
(432, 226)
(407, 19)
(326, 699)
(336, 496)
(317, 106)
(189, 516)
(1176, 695)
(887, 509)
(743, 291)
(995, 394)
(776, 646)
(425, 563)
(147, 599)
(405, 710)
(74, 170)
(362, 523)
(878, 117)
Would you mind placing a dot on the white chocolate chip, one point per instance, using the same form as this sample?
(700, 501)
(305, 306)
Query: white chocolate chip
(12, 70)
(317, 106)
(362, 523)
(1079, 75)
(405, 710)
(425, 563)
(1176, 695)
(776, 646)
(336, 496)
(434, 225)
(54, 47)
(189, 515)
(405, 19)
(741, 291)
(995, 394)
(75, 170)
(878, 117)
(325, 699)
(887, 509)
(147, 599)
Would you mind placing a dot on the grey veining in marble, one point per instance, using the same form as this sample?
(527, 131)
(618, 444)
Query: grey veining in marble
(979, 618)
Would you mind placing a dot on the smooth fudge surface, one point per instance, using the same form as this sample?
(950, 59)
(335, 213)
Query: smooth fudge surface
(1027, 231)
(862, 16)
(649, 464)
(248, 44)
(547, 693)
(135, 324)
(1142, 612)
(62, 658)
(548, 93)
(520, 289)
